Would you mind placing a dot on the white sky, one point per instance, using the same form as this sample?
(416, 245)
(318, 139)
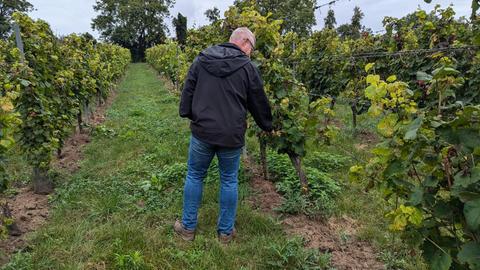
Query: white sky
(74, 16)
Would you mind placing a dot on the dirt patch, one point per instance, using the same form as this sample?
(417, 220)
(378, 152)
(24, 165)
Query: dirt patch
(72, 151)
(367, 137)
(265, 196)
(335, 235)
(169, 85)
(30, 210)
(361, 146)
(98, 116)
(337, 123)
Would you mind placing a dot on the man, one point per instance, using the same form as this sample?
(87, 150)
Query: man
(221, 85)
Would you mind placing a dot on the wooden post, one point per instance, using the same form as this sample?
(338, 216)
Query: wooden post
(263, 157)
(297, 163)
(41, 182)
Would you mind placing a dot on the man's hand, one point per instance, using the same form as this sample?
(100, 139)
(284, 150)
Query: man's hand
(272, 133)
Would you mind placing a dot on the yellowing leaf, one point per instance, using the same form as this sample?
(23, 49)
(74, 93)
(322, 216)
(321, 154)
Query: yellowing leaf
(386, 127)
(392, 79)
(375, 110)
(6, 143)
(403, 216)
(369, 66)
(373, 79)
(6, 105)
(356, 173)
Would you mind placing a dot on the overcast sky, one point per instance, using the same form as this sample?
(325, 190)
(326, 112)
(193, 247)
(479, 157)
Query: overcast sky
(73, 16)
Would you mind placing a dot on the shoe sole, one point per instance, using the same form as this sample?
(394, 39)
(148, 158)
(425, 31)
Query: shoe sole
(185, 238)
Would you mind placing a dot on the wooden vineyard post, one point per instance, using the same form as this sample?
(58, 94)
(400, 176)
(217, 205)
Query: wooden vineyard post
(42, 184)
(263, 158)
(297, 163)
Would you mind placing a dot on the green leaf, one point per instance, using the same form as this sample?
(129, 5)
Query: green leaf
(465, 196)
(436, 258)
(423, 76)
(442, 210)
(470, 253)
(413, 128)
(467, 137)
(430, 181)
(25, 82)
(416, 197)
(471, 210)
(395, 168)
(466, 180)
(444, 72)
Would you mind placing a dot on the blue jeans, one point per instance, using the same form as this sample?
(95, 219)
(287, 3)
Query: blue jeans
(200, 154)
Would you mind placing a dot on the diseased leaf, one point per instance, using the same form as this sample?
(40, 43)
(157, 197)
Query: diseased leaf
(386, 127)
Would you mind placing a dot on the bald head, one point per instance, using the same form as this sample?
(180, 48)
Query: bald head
(243, 38)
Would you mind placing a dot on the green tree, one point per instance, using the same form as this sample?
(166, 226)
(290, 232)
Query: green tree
(7, 8)
(133, 24)
(355, 28)
(213, 14)
(180, 23)
(297, 15)
(330, 20)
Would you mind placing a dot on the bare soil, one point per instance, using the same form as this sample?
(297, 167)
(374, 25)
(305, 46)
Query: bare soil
(30, 211)
(337, 235)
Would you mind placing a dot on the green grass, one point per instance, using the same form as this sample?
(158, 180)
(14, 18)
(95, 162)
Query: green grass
(117, 211)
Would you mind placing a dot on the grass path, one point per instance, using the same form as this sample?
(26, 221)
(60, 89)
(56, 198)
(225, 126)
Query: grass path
(117, 211)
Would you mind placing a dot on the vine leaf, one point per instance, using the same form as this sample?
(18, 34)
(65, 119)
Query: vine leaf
(423, 76)
(413, 128)
(472, 214)
(462, 180)
(470, 253)
(436, 258)
(386, 127)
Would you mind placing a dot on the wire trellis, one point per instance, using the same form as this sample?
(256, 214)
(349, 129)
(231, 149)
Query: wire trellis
(368, 55)
(326, 4)
(379, 54)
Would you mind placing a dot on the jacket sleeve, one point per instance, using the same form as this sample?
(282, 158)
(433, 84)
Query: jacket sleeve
(185, 109)
(257, 101)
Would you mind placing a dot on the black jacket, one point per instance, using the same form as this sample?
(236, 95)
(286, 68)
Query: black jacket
(221, 85)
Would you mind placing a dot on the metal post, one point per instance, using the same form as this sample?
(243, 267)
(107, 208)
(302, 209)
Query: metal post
(177, 85)
(18, 38)
(294, 47)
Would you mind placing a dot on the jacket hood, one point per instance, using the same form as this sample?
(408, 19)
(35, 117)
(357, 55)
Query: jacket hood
(223, 60)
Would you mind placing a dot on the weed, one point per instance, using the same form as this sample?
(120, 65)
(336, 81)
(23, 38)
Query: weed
(322, 188)
(292, 255)
(326, 162)
(131, 261)
(20, 261)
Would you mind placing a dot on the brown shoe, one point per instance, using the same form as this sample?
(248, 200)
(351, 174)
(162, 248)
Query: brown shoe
(227, 238)
(186, 235)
